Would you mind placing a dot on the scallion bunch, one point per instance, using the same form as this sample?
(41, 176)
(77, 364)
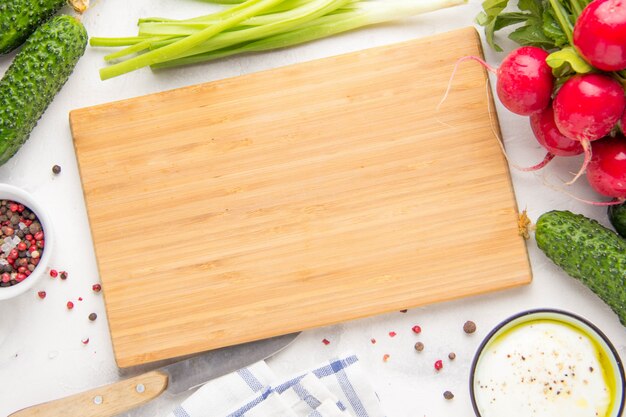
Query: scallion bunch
(250, 26)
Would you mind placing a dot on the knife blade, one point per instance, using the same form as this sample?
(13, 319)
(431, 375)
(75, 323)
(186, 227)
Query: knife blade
(119, 397)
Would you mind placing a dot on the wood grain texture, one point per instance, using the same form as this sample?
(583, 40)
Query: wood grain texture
(106, 401)
(297, 197)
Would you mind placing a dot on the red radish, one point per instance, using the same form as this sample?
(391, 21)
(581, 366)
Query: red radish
(548, 135)
(607, 170)
(586, 108)
(600, 34)
(525, 81)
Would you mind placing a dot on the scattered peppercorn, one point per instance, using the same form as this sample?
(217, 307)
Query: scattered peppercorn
(416, 329)
(70, 305)
(469, 327)
(56, 169)
(452, 356)
(392, 334)
(80, 298)
(96, 287)
(41, 294)
(403, 311)
(54, 273)
(63, 275)
(85, 341)
(373, 341)
(439, 365)
(93, 316)
(448, 395)
(419, 346)
(386, 357)
(326, 342)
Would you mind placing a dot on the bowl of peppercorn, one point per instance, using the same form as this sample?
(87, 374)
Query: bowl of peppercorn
(25, 241)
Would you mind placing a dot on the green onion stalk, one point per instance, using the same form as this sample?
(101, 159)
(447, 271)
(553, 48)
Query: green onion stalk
(249, 26)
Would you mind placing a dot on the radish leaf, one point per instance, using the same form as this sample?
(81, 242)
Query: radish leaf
(552, 29)
(568, 56)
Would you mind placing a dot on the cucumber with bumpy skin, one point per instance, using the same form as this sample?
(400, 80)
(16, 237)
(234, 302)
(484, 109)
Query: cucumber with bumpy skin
(617, 216)
(20, 18)
(587, 251)
(36, 75)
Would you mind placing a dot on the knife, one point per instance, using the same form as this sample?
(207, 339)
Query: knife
(116, 398)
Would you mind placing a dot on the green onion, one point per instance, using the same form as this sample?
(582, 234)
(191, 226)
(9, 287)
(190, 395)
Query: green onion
(251, 26)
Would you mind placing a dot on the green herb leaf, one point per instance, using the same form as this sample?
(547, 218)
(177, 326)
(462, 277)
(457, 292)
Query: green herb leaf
(491, 10)
(568, 56)
(533, 6)
(531, 34)
(552, 29)
(508, 19)
(489, 18)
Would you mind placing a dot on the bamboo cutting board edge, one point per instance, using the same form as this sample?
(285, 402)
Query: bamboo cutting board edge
(524, 278)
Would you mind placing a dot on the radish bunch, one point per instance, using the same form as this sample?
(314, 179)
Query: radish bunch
(571, 83)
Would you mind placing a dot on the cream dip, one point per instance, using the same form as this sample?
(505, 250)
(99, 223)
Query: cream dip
(544, 368)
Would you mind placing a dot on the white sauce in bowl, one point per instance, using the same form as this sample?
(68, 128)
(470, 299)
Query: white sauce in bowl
(543, 368)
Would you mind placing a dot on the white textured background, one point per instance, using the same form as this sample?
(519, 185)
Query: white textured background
(41, 355)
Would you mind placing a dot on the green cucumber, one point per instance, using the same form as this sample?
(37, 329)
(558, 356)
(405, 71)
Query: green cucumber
(617, 216)
(587, 251)
(20, 18)
(36, 75)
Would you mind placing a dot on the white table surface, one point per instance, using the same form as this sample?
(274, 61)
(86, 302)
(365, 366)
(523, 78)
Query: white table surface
(41, 354)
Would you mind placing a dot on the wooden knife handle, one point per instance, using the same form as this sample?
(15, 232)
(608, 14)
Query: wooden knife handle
(106, 401)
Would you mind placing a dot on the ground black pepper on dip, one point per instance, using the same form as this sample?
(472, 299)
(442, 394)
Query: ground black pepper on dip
(21, 242)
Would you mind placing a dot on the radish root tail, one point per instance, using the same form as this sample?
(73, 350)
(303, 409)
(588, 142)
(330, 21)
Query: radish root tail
(456, 67)
(587, 148)
(549, 157)
(560, 189)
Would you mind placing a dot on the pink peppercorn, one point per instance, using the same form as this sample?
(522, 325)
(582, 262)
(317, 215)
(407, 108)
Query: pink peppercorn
(70, 305)
(38, 235)
(439, 365)
(416, 329)
(96, 287)
(41, 294)
(392, 334)
(326, 342)
(54, 273)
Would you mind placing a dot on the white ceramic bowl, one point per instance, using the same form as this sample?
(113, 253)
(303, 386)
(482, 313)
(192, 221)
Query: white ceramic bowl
(616, 368)
(9, 192)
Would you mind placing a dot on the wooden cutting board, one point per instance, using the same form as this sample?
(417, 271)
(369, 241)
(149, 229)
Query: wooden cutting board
(298, 197)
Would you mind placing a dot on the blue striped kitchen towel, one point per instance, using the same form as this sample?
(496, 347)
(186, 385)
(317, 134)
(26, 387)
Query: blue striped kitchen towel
(337, 388)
